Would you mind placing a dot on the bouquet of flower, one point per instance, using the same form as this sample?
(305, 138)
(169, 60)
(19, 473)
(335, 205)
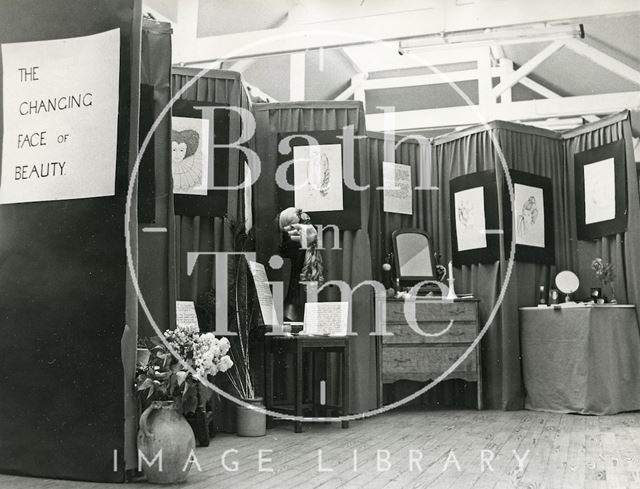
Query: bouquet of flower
(166, 377)
(606, 273)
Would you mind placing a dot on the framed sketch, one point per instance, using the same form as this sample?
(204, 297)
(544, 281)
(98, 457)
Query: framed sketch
(200, 171)
(474, 218)
(317, 177)
(601, 191)
(531, 222)
(189, 155)
(316, 171)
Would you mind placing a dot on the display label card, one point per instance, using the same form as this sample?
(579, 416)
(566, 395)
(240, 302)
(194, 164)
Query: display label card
(397, 188)
(263, 291)
(326, 318)
(60, 118)
(186, 314)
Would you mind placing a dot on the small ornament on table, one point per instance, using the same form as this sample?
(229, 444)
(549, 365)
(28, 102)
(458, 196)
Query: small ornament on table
(606, 273)
(452, 293)
(387, 275)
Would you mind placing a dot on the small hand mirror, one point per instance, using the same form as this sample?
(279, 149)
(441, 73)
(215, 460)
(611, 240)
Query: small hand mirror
(567, 283)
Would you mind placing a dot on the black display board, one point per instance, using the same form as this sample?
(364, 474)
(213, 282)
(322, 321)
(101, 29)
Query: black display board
(214, 204)
(63, 285)
(147, 169)
(491, 252)
(347, 218)
(618, 223)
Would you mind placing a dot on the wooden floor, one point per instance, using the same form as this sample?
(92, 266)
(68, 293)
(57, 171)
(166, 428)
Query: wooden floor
(561, 451)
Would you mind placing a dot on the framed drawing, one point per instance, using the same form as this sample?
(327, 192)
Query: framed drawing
(532, 225)
(601, 191)
(474, 218)
(198, 169)
(316, 173)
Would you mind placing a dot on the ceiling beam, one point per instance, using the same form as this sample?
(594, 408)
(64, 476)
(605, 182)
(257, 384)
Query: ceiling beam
(297, 69)
(344, 25)
(538, 88)
(421, 80)
(528, 67)
(619, 68)
(515, 111)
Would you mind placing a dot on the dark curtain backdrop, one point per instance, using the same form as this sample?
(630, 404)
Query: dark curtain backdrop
(416, 154)
(203, 233)
(156, 261)
(527, 149)
(212, 234)
(352, 263)
(623, 249)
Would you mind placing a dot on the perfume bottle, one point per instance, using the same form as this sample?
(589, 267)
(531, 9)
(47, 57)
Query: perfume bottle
(542, 297)
(554, 296)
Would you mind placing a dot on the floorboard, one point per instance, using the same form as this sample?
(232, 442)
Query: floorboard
(562, 451)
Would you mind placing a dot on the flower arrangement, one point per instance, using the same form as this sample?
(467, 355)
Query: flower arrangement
(166, 377)
(606, 273)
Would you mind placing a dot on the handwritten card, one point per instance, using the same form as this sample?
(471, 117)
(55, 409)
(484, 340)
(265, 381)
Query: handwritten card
(263, 291)
(396, 181)
(326, 318)
(186, 314)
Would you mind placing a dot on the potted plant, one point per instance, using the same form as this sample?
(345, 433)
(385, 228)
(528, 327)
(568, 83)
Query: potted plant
(606, 273)
(251, 421)
(171, 381)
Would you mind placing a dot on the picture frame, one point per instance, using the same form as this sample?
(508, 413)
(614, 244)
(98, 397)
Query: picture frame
(474, 218)
(601, 191)
(212, 202)
(325, 201)
(534, 230)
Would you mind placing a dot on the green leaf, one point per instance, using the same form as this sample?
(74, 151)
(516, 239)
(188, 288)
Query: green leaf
(181, 376)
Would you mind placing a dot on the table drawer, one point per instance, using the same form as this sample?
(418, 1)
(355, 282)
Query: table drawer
(432, 311)
(421, 364)
(460, 332)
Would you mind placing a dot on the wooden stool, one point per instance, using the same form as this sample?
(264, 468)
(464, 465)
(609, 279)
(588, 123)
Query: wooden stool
(298, 345)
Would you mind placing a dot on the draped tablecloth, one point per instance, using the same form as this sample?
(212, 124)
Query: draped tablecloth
(581, 359)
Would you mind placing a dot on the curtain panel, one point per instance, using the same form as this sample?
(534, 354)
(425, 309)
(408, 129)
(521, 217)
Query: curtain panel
(416, 154)
(351, 263)
(203, 233)
(476, 149)
(622, 249)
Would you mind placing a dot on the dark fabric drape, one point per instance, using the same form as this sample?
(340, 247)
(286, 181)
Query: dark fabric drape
(201, 233)
(623, 249)
(351, 263)
(416, 154)
(214, 234)
(156, 261)
(477, 149)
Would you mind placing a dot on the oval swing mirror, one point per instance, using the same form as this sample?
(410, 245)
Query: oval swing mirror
(567, 283)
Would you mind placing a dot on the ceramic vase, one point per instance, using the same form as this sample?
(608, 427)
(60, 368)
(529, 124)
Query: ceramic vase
(251, 422)
(163, 427)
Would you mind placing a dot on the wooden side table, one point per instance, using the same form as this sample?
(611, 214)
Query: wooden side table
(299, 345)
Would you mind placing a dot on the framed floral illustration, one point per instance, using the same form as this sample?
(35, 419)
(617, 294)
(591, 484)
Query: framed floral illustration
(316, 169)
(474, 218)
(530, 221)
(601, 191)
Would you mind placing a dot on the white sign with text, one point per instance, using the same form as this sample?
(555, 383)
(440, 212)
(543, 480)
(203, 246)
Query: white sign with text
(60, 118)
